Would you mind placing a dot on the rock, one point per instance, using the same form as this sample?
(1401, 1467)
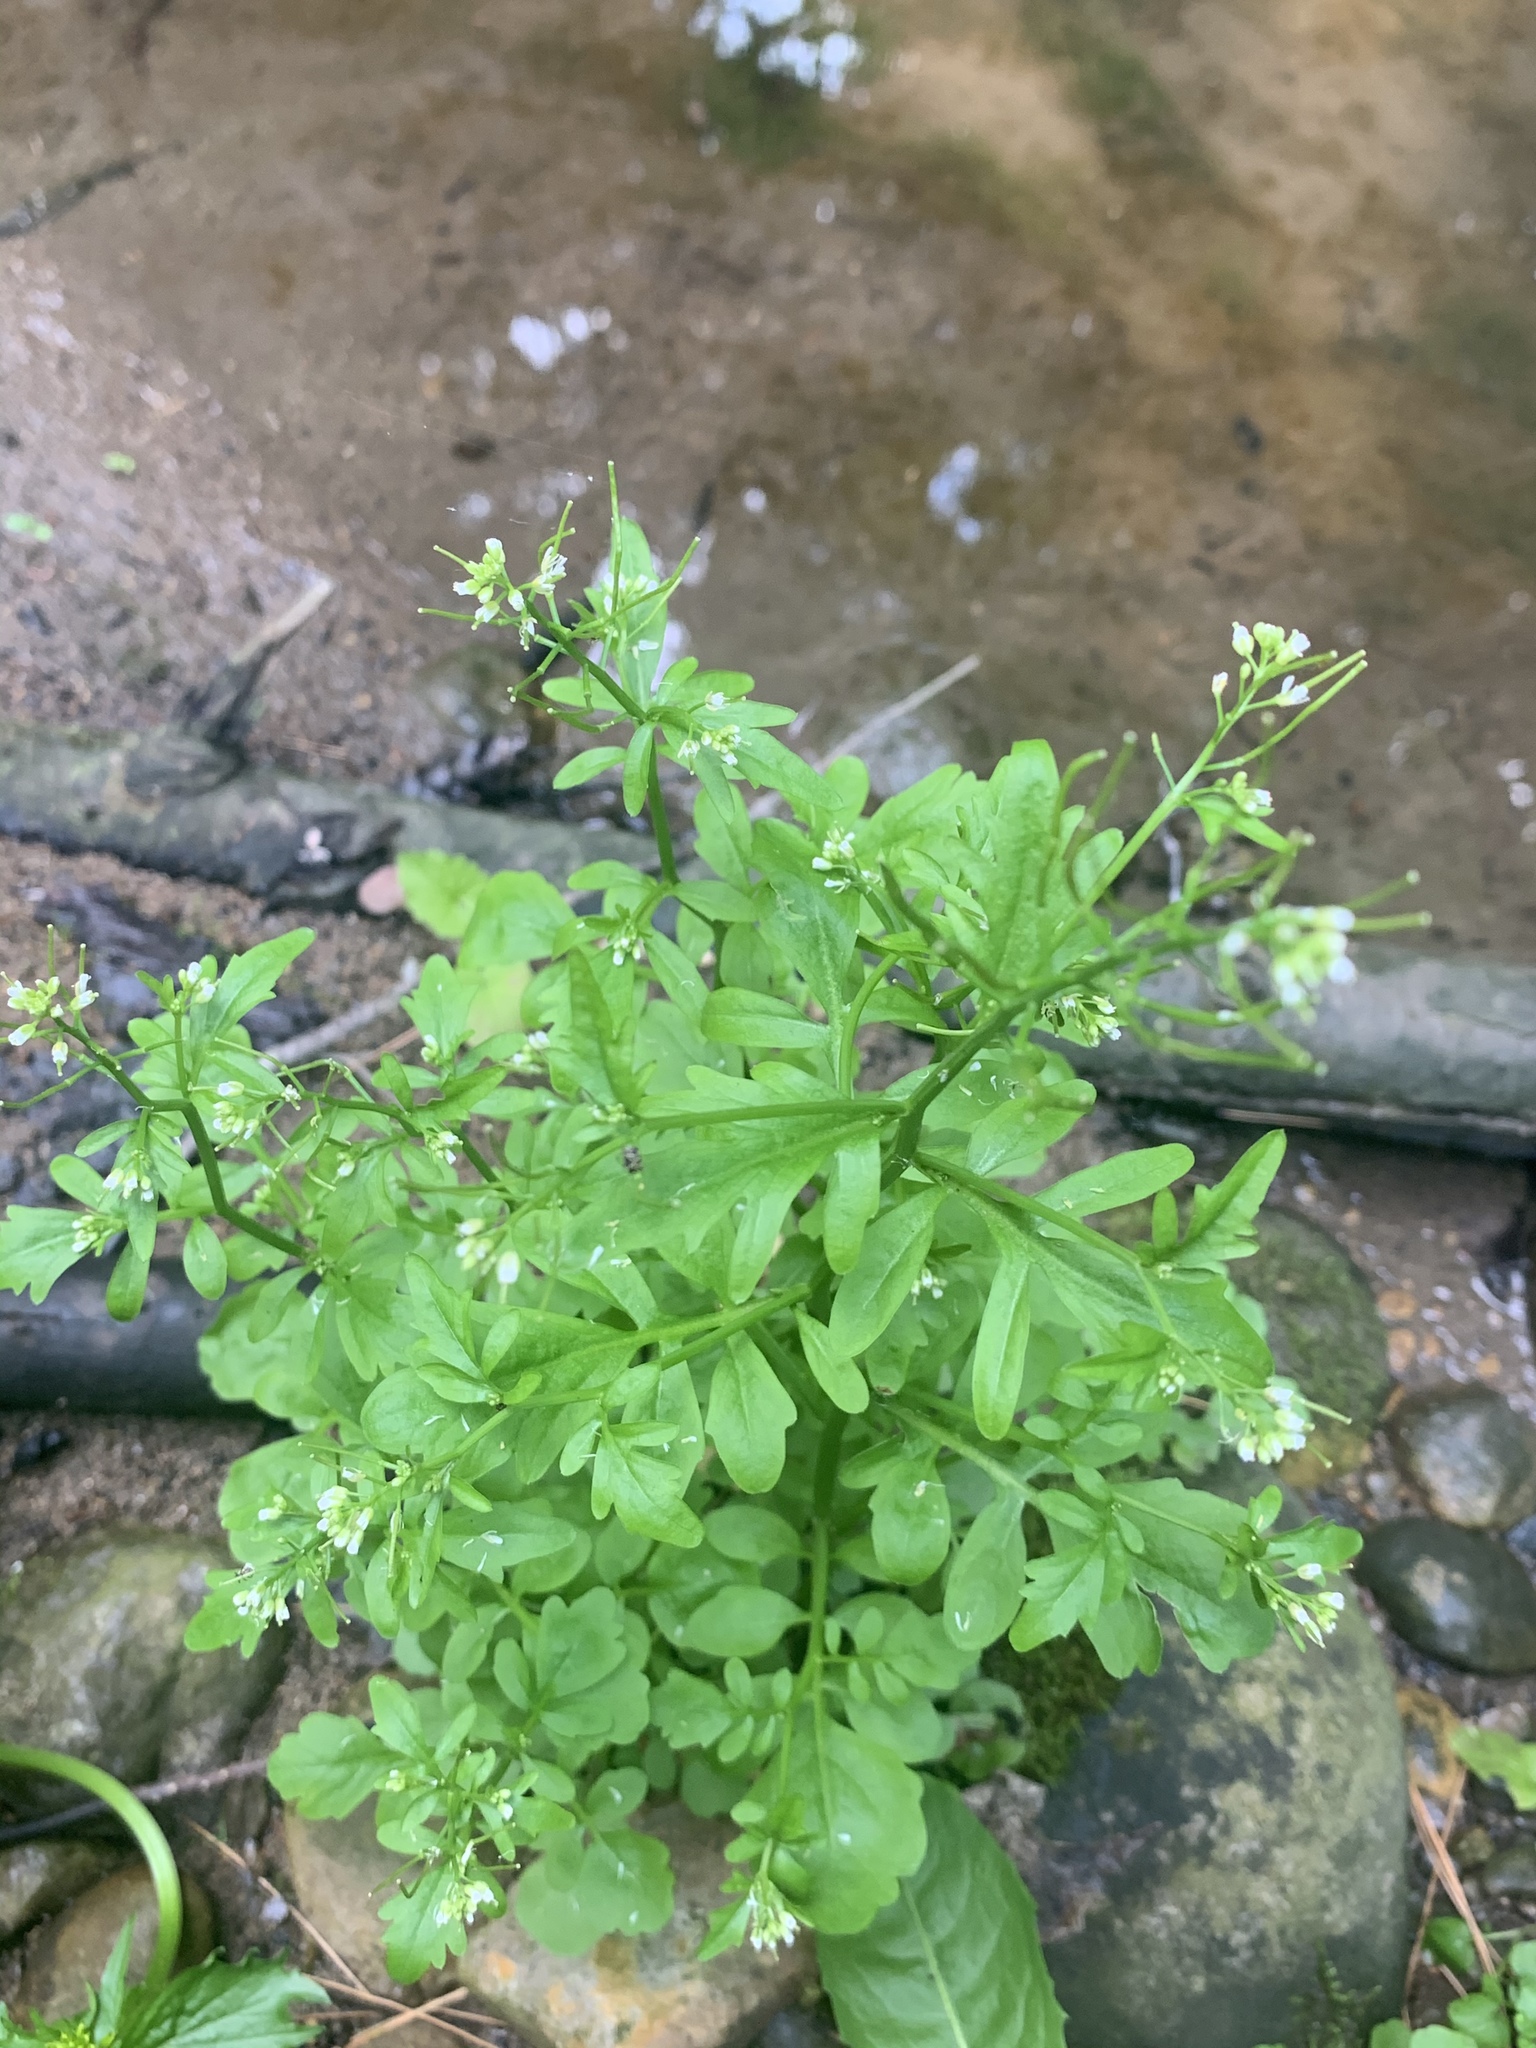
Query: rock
(381, 894)
(68, 1956)
(645, 1993)
(1455, 1594)
(1212, 1832)
(796, 2029)
(337, 1867)
(1510, 1873)
(68, 1348)
(1325, 1334)
(39, 1877)
(481, 744)
(1470, 1455)
(92, 1660)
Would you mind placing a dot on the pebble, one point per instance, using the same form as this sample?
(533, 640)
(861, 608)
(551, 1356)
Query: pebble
(38, 1877)
(1456, 1594)
(1510, 1873)
(66, 1960)
(1471, 1456)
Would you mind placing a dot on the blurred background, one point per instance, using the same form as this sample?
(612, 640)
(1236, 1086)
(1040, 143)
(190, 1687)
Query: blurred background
(1061, 332)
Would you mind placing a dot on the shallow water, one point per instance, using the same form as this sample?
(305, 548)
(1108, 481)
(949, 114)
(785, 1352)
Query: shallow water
(1080, 329)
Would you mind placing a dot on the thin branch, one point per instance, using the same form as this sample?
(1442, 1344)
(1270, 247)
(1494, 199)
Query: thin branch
(861, 735)
(310, 1043)
(354, 1985)
(393, 2005)
(406, 2015)
(160, 1793)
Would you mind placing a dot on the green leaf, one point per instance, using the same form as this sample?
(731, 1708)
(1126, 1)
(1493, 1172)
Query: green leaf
(997, 1371)
(1221, 1218)
(620, 1882)
(518, 916)
(440, 890)
(36, 1246)
(955, 1961)
(909, 1521)
(204, 1261)
(852, 1199)
(582, 767)
(1118, 1181)
(751, 1535)
(749, 1414)
(985, 1586)
(125, 1289)
(218, 2004)
(889, 1264)
(740, 1621)
(836, 1374)
(329, 1765)
(741, 1016)
(1492, 1754)
(864, 1819)
(1021, 850)
(250, 978)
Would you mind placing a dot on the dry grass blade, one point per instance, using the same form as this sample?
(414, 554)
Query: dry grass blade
(1445, 1870)
(403, 2012)
(1452, 1808)
(354, 1984)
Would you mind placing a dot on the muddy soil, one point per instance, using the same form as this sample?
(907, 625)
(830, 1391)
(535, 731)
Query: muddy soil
(1232, 303)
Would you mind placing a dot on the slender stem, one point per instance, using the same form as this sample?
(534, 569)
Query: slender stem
(141, 1824)
(661, 825)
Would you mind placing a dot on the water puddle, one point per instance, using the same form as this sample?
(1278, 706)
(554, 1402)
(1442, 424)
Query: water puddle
(1061, 332)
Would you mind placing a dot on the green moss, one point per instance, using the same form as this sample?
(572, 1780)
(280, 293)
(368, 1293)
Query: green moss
(763, 120)
(1060, 1684)
(1139, 126)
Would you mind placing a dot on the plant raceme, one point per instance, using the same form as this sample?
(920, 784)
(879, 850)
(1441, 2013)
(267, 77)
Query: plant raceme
(690, 1416)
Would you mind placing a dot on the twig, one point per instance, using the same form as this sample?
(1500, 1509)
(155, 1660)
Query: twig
(1445, 1870)
(158, 1794)
(335, 1029)
(397, 1044)
(1452, 1807)
(863, 734)
(219, 712)
(394, 2005)
(354, 1986)
(405, 2015)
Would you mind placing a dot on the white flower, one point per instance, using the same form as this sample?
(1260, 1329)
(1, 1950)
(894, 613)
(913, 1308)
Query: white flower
(770, 1923)
(1242, 639)
(1292, 692)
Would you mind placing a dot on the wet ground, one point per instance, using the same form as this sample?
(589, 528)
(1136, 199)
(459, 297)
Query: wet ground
(1076, 329)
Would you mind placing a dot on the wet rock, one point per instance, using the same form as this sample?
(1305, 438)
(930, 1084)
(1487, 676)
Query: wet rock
(39, 1877)
(1455, 1594)
(481, 745)
(1211, 1833)
(794, 2029)
(92, 1661)
(1510, 1873)
(1429, 1725)
(1325, 1334)
(650, 1989)
(1470, 1455)
(67, 1958)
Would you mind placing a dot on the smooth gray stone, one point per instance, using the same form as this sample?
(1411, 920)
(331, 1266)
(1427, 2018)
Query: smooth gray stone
(1469, 1453)
(1455, 1594)
(1212, 1832)
(1420, 1046)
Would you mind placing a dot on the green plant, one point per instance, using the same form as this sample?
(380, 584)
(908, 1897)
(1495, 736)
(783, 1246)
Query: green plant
(1501, 2013)
(670, 1401)
(1491, 1754)
(212, 2006)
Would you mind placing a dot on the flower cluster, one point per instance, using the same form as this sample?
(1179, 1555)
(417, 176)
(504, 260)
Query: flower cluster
(1083, 1016)
(1269, 1422)
(130, 1179)
(810, 43)
(346, 1511)
(720, 739)
(46, 1012)
(838, 862)
(465, 1892)
(501, 602)
(197, 984)
(1306, 948)
(770, 1923)
(480, 1250)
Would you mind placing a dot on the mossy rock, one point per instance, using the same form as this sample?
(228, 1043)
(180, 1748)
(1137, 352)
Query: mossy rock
(1060, 1684)
(1325, 1334)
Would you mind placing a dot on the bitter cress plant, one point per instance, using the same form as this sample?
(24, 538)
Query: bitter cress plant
(669, 1400)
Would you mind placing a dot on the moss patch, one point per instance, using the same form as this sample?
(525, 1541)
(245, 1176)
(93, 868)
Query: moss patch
(1060, 1684)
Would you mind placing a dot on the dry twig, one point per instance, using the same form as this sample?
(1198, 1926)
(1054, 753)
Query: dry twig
(1445, 1870)
(160, 1793)
(354, 1986)
(309, 1044)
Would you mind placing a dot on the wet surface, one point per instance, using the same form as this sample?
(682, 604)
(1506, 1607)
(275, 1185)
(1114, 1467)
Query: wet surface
(1072, 333)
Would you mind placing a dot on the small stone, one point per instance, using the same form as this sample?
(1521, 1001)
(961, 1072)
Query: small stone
(92, 1661)
(380, 893)
(645, 1990)
(1397, 1304)
(337, 1866)
(67, 1957)
(795, 2029)
(1325, 1335)
(38, 1877)
(1472, 1848)
(1402, 1350)
(1455, 1594)
(1510, 1873)
(1471, 1456)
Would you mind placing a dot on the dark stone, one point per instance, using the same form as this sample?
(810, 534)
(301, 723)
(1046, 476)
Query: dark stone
(1455, 1594)
(1325, 1334)
(37, 1447)
(1510, 1873)
(1470, 1455)
(68, 1349)
(1212, 1833)
(66, 1960)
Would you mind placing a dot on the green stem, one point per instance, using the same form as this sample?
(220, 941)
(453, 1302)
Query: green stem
(140, 1823)
(660, 824)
